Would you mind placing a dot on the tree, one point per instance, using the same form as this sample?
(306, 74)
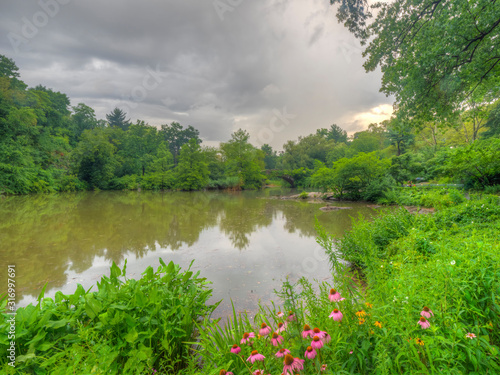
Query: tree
(365, 141)
(177, 136)
(10, 71)
(351, 177)
(302, 154)
(493, 122)
(400, 134)
(434, 54)
(94, 158)
(477, 163)
(116, 119)
(83, 119)
(270, 156)
(336, 133)
(139, 148)
(192, 171)
(243, 161)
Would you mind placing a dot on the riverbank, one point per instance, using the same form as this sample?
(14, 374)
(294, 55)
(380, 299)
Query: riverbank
(430, 306)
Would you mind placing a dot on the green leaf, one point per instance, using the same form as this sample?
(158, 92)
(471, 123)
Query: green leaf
(115, 271)
(92, 306)
(131, 336)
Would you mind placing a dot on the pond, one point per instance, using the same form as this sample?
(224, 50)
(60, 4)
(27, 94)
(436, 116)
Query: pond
(246, 243)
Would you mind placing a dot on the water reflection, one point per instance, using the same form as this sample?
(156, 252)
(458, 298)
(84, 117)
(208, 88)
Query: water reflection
(244, 242)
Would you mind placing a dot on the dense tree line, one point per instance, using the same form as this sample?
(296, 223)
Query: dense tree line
(46, 145)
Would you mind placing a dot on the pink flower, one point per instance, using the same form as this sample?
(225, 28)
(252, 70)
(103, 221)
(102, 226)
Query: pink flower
(258, 372)
(323, 368)
(334, 296)
(351, 352)
(470, 336)
(276, 339)
(327, 338)
(424, 323)
(280, 314)
(307, 331)
(426, 312)
(247, 337)
(224, 372)
(298, 363)
(255, 356)
(310, 353)
(291, 316)
(264, 329)
(282, 352)
(316, 343)
(281, 327)
(235, 349)
(317, 332)
(336, 315)
(288, 364)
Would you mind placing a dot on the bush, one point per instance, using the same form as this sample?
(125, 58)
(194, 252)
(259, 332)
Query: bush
(125, 327)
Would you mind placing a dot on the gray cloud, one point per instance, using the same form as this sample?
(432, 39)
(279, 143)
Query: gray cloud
(215, 74)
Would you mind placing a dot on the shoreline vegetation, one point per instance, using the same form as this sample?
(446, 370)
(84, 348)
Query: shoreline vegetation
(429, 304)
(48, 146)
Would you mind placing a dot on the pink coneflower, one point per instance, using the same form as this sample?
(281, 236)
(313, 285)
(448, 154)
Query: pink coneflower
(298, 364)
(255, 356)
(351, 352)
(235, 349)
(288, 364)
(470, 336)
(280, 314)
(323, 368)
(258, 372)
(291, 316)
(282, 352)
(281, 327)
(246, 337)
(310, 352)
(334, 296)
(336, 315)
(306, 332)
(424, 323)
(316, 343)
(327, 338)
(276, 339)
(317, 332)
(264, 329)
(224, 372)
(426, 312)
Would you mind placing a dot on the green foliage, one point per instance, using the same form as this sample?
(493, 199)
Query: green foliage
(352, 177)
(303, 195)
(117, 119)
(425, 65)
(476, 164)
(125, 327)
(176, 137)
(93, 159)
(243, 161)
(192, 171)
(423, 196)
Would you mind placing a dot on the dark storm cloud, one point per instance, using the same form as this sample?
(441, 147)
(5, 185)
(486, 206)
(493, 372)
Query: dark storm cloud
(217, 65)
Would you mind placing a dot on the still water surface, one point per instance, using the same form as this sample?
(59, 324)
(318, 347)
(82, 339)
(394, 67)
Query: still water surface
(246, 243)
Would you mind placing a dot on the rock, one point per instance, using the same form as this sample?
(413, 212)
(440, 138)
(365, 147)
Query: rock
(334, 208)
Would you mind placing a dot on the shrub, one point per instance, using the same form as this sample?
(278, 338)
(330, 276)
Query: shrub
(126, 327)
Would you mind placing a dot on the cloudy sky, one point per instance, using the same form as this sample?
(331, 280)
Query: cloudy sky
(276, 68)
